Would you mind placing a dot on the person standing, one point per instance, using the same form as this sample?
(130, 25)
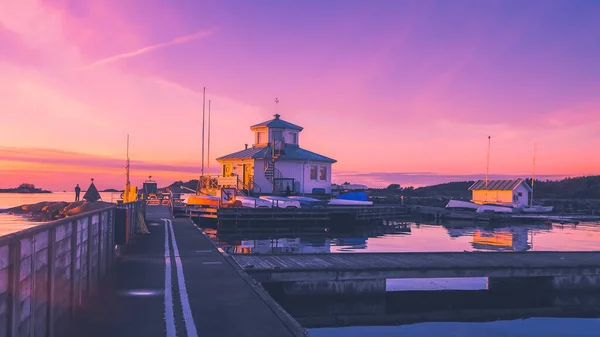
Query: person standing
(77, 191)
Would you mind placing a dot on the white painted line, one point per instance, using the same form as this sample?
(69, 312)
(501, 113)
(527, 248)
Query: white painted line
(204, 251)
(169, 316)
(212, 262)
(188, 318)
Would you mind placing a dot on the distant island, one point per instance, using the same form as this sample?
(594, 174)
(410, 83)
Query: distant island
(111, 190)
(24, 188)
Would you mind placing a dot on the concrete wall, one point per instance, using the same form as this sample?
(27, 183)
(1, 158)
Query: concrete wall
(53, 268)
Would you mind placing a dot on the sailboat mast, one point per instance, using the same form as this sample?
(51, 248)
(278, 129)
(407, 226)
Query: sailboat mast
(487, 170)
(127, 183)
(533, 173)
(203, 105)
(208, 145)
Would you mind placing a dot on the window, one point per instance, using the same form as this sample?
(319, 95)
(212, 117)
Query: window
(260, 138)
(277, 135)
(323, 171)
(313, 172)
(520, 194)
(294, 137)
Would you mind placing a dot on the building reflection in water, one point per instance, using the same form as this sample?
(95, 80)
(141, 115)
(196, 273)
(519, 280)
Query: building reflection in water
(515, 238)
(384, 236)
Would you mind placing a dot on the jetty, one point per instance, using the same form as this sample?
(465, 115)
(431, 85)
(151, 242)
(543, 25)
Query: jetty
(72, 282)
(367, 272)
(167, 276)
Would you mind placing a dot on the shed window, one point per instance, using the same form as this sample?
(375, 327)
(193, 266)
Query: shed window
(323, 173)
(313, 172)
(520, 194)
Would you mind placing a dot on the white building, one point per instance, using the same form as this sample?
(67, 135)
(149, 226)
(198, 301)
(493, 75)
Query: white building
(501, 192)
(276, 161)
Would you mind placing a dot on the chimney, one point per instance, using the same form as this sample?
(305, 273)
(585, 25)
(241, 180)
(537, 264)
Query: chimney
(276, 116)
(246, 146)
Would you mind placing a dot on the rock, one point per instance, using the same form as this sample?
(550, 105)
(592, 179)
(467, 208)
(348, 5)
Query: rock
(48, 210)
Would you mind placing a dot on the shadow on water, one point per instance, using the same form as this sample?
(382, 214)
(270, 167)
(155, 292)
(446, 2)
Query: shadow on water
(409, 307)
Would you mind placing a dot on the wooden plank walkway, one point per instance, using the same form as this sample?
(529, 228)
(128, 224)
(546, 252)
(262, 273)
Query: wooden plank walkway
(356, 266)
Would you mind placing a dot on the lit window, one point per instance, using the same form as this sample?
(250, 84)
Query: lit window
(323, 171)
(313, 172)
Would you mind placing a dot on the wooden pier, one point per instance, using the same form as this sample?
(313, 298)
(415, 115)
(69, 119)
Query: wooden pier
(367, 272)
(333, 213)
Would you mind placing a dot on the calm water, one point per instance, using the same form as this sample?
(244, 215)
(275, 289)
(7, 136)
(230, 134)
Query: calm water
(521, 315)
(11, 223)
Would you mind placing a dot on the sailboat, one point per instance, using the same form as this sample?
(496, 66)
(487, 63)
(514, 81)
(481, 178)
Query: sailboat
(531, 208)
(200, 199)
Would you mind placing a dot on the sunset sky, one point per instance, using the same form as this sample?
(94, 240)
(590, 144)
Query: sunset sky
(396, 91)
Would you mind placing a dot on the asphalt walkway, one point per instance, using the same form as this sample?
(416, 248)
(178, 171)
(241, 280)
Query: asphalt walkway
(180, 285)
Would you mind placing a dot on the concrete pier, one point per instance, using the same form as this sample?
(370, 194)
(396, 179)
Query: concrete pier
(182, 282)
(341, 272)
(334, 287)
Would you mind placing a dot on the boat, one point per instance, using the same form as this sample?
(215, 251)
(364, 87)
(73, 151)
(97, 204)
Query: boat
(537, 209)
(462, 204)
(351, 199)
(306, 202)
(281, 202)
(252, 202)
(347, 202)
(494, 208)
(202, 200)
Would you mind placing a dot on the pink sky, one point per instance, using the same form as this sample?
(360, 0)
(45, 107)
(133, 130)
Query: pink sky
(392, 91)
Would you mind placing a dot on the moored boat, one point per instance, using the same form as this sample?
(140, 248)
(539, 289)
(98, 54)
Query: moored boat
(281, 202)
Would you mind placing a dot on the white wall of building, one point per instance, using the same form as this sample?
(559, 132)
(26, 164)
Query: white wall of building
(523, 199)
(309, 183)
(259, 176)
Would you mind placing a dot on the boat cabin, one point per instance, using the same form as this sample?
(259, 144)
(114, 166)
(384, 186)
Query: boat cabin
(513, 193)
(276, 163)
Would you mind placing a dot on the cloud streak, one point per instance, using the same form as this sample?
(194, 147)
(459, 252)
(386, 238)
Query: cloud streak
(148, 49)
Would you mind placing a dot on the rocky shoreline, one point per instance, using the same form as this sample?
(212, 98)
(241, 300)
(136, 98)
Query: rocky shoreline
(54, 210)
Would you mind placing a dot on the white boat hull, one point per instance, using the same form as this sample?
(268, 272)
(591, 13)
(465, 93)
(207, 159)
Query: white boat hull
(251, 202)
(346, 202)
(492, 208)
(462, 204)
(538, 209)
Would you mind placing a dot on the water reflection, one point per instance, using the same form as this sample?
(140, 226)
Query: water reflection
(392, 236)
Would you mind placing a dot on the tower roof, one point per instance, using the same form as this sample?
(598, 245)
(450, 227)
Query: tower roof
(276, 122)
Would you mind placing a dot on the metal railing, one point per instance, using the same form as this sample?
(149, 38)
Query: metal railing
(48, 271)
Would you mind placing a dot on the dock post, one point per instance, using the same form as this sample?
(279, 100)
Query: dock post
(51, 282)
(14, 289)
(73, 266)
